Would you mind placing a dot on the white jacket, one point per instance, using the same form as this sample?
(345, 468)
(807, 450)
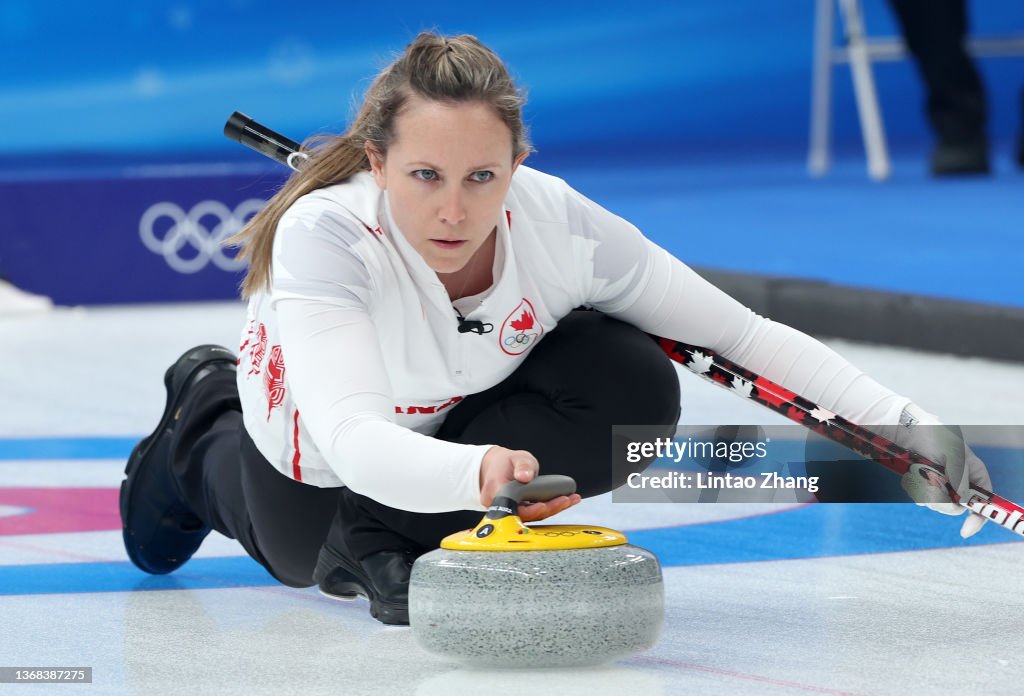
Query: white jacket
(353, 358)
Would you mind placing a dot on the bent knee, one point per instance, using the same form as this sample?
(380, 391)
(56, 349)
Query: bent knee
(602, 363)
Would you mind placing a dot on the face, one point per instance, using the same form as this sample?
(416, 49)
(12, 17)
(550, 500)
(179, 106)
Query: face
(446, 173)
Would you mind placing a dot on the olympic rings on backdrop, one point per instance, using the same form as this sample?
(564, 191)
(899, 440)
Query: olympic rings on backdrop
(189, 229)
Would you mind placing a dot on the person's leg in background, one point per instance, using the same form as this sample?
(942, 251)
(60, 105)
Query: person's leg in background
(935, 32)
(589, 374)
(1020, 133)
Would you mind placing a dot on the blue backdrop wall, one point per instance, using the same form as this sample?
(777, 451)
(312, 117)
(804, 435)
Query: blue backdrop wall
(161, 75)
(115, 179)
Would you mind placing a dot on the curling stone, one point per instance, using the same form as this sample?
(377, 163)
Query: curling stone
(504, 594)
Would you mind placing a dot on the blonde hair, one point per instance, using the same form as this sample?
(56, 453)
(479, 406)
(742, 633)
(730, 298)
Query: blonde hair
(456, 69)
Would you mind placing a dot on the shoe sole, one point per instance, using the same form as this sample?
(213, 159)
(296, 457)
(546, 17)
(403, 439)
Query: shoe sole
(139, 452)
(360, 586)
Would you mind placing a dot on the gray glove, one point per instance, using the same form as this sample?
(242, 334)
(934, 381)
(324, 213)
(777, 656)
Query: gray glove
(923, 433)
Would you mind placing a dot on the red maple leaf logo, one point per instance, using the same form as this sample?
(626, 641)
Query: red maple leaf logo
(523, 323)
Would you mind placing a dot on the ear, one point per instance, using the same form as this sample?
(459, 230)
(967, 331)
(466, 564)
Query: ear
(519, 160)
(376, 165)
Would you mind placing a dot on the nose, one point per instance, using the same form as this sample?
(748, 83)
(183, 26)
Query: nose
(452, 210)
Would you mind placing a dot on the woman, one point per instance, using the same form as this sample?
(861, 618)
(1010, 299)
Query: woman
(413, 344)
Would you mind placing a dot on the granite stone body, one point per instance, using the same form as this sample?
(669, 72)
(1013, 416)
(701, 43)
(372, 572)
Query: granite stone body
(537, 608)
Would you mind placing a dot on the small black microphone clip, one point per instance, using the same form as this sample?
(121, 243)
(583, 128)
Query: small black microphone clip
(472, 325)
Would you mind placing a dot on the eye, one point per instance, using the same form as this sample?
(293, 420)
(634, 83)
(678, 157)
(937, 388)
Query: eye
(425, 174)
(481, 176)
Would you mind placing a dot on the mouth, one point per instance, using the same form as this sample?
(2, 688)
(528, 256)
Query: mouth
(448, 243)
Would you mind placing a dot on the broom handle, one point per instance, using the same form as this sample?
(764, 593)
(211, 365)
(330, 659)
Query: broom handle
(743, 382)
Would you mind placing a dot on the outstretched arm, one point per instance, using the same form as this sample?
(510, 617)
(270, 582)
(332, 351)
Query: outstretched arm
(636, 281)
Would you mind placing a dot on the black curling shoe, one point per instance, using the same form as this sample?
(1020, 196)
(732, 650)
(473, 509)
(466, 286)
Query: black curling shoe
(160, 531)
(382, 578)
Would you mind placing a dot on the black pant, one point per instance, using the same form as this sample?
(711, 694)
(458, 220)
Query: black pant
(935, 31)
(590, 373)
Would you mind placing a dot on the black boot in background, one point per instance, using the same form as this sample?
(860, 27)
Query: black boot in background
(1020, 136)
